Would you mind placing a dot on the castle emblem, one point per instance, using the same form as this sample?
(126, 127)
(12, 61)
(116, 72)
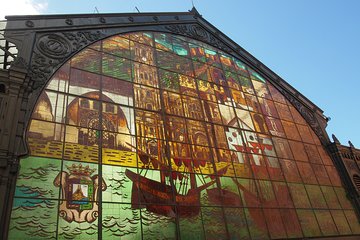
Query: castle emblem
(79, 191)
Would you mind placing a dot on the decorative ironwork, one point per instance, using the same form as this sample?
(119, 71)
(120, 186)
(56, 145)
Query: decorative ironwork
(53, 49)
(199, 33)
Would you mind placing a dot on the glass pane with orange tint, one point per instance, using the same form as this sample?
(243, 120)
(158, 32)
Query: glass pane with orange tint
(291, 130)
(45, 139)
(82, 144)
(283, 111)
(299, 195)
(282, 148)
(187, 85)
(305, 133)
(274, 126)
(342, 196)
(312, 153)
(326, 223)
(192, 108)
(115, 90)
(298, 150)
(308, 223)
(325, 156)
(147, 98)
(321, 174)
(290, 170)
(211, 112)
(291, 223)
(145, 74)
(316, 197)
(252, 103)
(173, 103)
(266, 194)
(296, 115)
(353, 220)
(276, 95)
(256, 223)
(340, 222)
(334, 176)
(248, 190)
(83, 82)
(236, 223)
(282, 194)
(259, 122)
(306, 172)
(149, 124)
(274, 223)
(330, 197)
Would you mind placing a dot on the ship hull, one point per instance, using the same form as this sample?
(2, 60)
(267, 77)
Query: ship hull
(159, 198)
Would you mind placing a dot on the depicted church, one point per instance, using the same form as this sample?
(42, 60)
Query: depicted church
(158, 126)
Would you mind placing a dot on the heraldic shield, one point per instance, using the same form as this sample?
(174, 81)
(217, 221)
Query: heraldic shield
(80, 193)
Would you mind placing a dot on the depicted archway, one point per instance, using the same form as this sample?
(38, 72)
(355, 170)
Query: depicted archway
(156, 135)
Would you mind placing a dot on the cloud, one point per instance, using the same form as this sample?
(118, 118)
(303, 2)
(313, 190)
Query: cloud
(22, 7)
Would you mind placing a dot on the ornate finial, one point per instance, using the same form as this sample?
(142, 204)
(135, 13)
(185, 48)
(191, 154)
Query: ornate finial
(335, 139)
(195, 11)
(351, 145)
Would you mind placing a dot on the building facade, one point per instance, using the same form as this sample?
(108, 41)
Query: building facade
(158, 126)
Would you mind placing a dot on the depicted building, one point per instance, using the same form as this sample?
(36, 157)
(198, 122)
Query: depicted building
(158, 126)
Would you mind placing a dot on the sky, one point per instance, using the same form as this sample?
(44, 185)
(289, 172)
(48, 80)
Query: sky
(311, 44)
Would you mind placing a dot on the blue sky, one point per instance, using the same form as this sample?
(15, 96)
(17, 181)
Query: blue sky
(312, 44)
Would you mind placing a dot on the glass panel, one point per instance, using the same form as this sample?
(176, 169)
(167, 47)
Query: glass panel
(33, 219)
(291, 223)
(88, 60)
(83, 83)
(326, 223)
(341, 222)
(36, 177)
(274, 223)
(156, 226)
(116, 67)
(190, 138)
(45, 139)
(236, 223)
(120, 221)
(308, 223)
(117, 45)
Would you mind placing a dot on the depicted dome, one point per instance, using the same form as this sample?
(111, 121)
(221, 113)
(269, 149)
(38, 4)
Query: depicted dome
(151, 135)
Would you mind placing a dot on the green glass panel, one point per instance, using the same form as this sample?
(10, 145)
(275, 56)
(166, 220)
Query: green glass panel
(88, 60)
(120, 221)
(116, 67)
(36, 176)
(156, 226)
(33, 219)
(119, 185)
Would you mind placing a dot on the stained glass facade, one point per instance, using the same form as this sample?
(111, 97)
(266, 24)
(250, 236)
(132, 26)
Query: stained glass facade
(150, 135)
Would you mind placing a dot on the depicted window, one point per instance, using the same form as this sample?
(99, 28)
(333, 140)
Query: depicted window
(151, 135)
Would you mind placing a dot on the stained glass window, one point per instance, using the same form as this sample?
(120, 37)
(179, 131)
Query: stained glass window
(156, 136)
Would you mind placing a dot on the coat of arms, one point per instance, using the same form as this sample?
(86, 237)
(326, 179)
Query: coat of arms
(80, 193)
